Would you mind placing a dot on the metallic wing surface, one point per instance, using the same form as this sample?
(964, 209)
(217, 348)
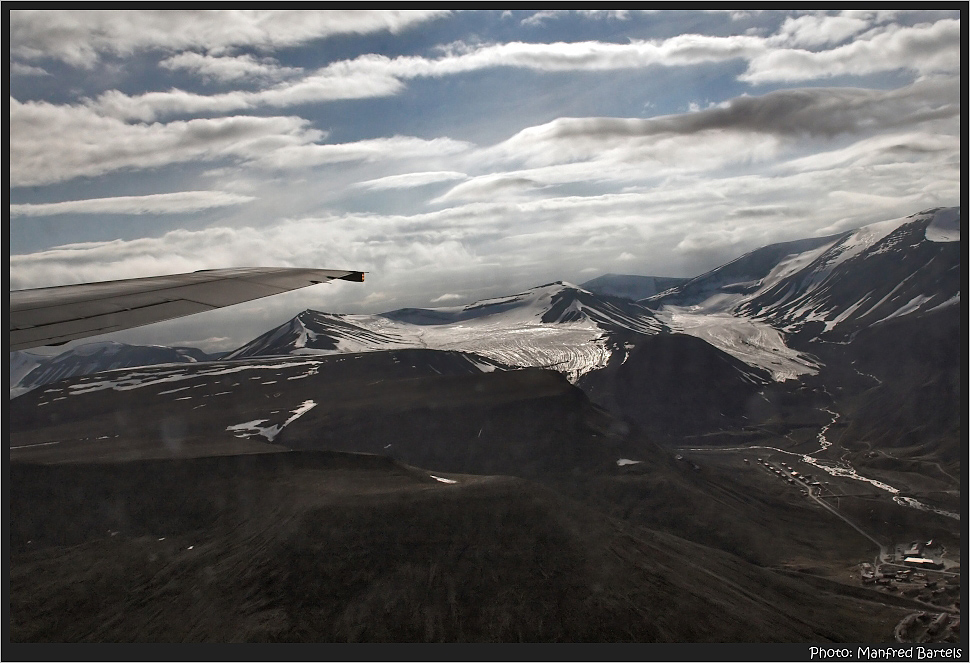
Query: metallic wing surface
(52, 316)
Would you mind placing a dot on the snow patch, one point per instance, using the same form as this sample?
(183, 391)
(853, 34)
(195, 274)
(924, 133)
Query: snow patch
(172, 391)
(135, 379)
(865, 238)
(482, 366)
(20, 391)
(955, 299)
(250, 428)
(254, 424)
(907, 308)
(39, 444)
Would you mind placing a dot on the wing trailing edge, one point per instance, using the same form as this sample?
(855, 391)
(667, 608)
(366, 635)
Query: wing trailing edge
(52, 316)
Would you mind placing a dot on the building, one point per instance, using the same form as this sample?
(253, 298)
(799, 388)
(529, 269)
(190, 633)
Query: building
(922, 563)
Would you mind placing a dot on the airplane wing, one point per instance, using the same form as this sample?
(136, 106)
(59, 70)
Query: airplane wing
(52, 316)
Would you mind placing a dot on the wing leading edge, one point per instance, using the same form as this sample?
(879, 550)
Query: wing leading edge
(52, 316)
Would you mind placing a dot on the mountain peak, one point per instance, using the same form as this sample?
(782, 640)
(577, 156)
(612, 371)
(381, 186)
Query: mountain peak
(836, 285)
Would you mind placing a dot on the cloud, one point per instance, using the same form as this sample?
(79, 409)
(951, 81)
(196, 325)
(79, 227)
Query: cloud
(80, 38)
(820, 29)
(729, 131)
(622, 144)
(487, 186)
(412, 180)
(922, 48)
(376, 149)
(678, 225)
(20, 69)
(447, 297)
(330, 84)
(540, 17)
(371, 75)
(615, 14)
(581, 56)
(758, 211)
(229, 68)
(735, 15)
(52, 143)
(158, 203)
(897, 148)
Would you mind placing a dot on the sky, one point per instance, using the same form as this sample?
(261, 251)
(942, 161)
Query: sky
(459, 155)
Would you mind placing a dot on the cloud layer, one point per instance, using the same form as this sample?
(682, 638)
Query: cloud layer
(80, 38)
(465, 155)
(179, 202)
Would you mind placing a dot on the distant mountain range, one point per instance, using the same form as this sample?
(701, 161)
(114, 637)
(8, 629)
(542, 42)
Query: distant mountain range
(557, 325)
(762, 325)
(29, 371)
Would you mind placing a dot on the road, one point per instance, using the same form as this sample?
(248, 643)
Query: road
(813, 494)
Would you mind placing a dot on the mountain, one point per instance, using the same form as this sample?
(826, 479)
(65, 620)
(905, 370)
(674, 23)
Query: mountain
(763, 339)
(630, 286)
(22, 363)
(674, 385)
(436, 409)
(899, 389)
(869, 321)
(557, 325)
(33, 371)
(830, 288)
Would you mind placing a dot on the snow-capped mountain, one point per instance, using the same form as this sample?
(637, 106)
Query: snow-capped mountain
(776, 340)
(92, 358)
(830, 287)
(557, 325)
(763, 309)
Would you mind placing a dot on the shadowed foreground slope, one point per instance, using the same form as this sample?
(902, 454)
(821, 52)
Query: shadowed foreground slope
(324, 546)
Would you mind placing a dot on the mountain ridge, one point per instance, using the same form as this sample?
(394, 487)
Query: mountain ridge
(553, 325)
(37, 371)
(768, 308)
(831, 287)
